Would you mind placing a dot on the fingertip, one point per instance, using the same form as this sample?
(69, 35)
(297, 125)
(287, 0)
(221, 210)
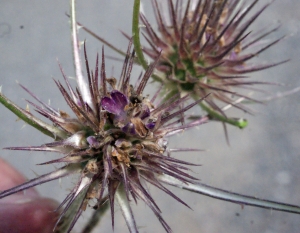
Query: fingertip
(29, 216)
(10, 177)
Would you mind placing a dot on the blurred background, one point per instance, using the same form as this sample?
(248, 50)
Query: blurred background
(262, 160)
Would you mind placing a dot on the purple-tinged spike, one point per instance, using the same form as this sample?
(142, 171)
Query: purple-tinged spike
(81, 114)
(152, 35)
(184, 149)
(220, 10)
(64, 171)
(102, 74)
(30, 119)
(174, 20)
(156, 94)
(196, 35)
(182, 51)
(90, 84)
(128, 74)
(73, 208)
(146, 77)
(149, 177)
(260, 37)
(112, 188)
(124, 68)
(139, 189)
(176, 129)
(77, 158)
(75, 99)
(63, 120)
(53, 111)
(125, 178)
(34, 148)
(171, 116)
(151, 205)
(159, 19)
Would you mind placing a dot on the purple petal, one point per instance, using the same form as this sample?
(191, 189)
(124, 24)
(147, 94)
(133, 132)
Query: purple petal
(109, 105)
(116, 103)
(150, 125)
(145, 112)
(93, 142)
(129, 128)
(120, 99)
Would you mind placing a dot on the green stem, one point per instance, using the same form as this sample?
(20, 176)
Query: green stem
(136, 39)
(25, 116)
(241, 123)
(136, 34)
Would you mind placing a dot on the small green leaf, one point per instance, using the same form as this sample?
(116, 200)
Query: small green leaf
(240, 122)
(136, 35)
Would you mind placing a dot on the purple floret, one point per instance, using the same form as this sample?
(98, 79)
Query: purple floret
(129, 128)
(116, 103)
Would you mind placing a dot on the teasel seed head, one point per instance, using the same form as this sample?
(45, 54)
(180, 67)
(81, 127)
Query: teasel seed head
(117, 140)
(206, 47)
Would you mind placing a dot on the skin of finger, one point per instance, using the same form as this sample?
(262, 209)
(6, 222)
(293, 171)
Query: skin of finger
(24, 212)
(32, 216)
(10, 177)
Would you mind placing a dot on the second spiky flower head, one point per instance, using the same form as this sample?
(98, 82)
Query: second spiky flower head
(206, 49)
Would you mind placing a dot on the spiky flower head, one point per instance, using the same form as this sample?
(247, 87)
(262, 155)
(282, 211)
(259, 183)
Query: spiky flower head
(116, 141)
(206, 48)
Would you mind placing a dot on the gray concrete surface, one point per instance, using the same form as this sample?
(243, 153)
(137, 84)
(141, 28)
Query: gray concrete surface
(263, 160)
